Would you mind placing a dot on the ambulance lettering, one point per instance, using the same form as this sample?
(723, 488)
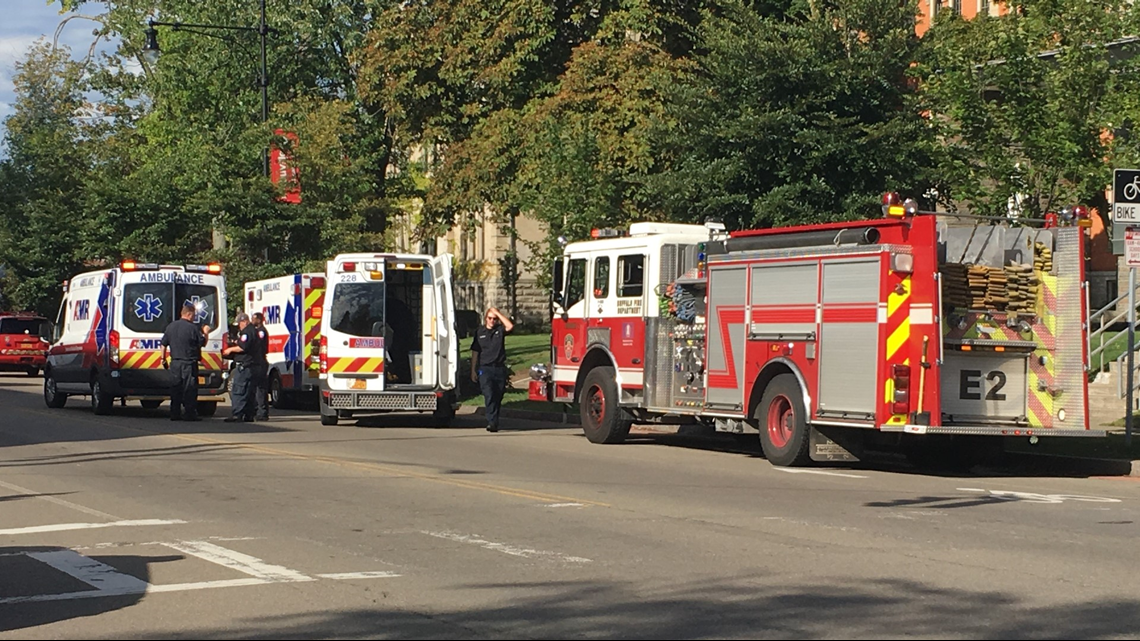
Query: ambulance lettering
(272, 314)
(146, 343)
(171, 277)
(82, 310)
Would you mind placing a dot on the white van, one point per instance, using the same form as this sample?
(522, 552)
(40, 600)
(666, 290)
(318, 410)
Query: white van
(388, 340)
(292, 306)
(108, 337)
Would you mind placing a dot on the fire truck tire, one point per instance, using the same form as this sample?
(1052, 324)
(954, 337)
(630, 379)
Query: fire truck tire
(150, 404)
(207, 408)
(101, 401)
(601, 417)
(52, 396)
(783, 423)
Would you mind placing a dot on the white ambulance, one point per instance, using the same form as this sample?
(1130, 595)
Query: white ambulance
(107, 341)
(388, 340)
(292, 306)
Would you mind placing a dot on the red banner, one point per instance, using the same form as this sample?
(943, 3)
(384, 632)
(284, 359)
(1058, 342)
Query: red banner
(283, 166)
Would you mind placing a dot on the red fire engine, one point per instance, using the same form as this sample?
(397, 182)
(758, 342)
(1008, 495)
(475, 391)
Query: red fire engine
(821, 336)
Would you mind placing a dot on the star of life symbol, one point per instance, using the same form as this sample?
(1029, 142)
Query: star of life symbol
(201, 308)
(148, 307)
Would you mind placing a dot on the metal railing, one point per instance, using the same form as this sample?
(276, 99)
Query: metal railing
(1100, 324)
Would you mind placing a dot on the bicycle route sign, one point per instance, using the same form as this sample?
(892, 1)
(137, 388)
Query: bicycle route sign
(1126, 196)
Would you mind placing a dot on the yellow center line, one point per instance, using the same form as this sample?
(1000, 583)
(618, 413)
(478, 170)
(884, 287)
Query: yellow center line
(371, 467)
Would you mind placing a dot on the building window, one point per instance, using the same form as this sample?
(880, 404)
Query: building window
(983, 7)
(956, 7)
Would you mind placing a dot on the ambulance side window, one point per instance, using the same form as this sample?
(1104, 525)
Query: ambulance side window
(575, 283)
(631, 271)
(601, 276)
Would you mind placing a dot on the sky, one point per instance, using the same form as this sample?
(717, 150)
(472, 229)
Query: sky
(22, 22)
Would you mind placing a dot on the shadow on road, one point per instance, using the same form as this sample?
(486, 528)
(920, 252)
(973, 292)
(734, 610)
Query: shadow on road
(37, 590)
(753, 607)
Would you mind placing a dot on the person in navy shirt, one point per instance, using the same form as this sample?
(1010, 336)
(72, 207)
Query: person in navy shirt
(489, 363)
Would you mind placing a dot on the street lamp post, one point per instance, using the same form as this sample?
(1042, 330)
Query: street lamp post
(151, 52)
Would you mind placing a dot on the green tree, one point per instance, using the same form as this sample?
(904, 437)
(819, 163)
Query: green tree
(796, 112)
(1034, 107)
(42, 220)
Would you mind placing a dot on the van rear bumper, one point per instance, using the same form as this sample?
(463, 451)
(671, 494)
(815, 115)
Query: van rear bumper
(157, 382)
(381, 401)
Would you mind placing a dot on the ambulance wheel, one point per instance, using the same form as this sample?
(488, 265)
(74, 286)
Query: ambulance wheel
(52, 396)
(601, 417)
(207, 408)
(783, 423)
(101, 401)
(150, 403)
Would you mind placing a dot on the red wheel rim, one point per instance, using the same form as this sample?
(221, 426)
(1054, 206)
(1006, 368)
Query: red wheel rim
(781, 421)
(595, 404)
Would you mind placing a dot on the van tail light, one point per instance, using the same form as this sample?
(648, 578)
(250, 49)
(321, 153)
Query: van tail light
(324, 352)
(900, 374)
(113, 342)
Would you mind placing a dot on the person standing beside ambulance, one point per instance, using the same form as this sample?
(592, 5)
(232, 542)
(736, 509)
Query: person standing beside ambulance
(261, 369)
(184, 341)
(244, 353)
(489, 363)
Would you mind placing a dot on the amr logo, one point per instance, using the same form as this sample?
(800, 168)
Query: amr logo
(82, 310)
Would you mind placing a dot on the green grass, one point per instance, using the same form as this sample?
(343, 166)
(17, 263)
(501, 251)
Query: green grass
(524, 350)
(1113, 351)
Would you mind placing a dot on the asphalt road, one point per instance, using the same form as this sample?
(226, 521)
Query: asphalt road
(131, 526)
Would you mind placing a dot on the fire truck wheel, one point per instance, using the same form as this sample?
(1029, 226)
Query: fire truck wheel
(783, 423)
(207, 408)
(601, 417)
(52, 397)
(101, 401)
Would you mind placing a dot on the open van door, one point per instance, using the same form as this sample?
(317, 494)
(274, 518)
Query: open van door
(447, 338)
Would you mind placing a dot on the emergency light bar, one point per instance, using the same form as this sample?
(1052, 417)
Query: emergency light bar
(130, 266)
(211, 268)
(605, 233)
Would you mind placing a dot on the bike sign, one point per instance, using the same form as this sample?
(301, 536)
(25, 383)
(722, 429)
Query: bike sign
(1126, 196)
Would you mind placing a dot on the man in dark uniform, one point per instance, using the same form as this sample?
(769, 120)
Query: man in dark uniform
(489, 363)
(241, 384)
(261, 368)
(184, 340)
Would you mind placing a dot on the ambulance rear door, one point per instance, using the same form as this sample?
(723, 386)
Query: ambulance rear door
(446, 338)
(354, 323)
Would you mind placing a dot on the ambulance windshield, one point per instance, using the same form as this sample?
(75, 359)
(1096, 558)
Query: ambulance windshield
(149, 307)
(358, 309)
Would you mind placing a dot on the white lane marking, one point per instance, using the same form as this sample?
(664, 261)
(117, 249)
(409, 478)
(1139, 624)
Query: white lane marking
(505, 548)
(61, 527)
(340, 576)
(98, 575)
(126, 544)
(565, 505)
(796, 470)
(1032, 497)
(52, 499)
(243, 563)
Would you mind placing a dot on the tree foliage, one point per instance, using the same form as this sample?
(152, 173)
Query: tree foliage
(1034, 107)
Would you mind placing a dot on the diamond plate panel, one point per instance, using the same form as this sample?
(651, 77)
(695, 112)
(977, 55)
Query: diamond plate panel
(1070, 335)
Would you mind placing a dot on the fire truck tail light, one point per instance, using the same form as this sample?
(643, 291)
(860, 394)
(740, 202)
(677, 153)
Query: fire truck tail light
(902, 263)
(900, 402)
(324, 352)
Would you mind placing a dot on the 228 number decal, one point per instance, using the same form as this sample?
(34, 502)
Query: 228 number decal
(973, 383)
